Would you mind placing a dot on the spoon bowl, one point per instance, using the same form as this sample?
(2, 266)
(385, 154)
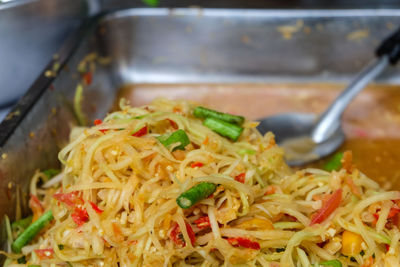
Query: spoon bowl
(293, 131)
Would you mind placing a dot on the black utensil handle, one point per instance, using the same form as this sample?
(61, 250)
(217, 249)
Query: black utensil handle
(390, 47)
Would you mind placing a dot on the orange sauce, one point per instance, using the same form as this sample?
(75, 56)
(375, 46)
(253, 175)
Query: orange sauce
(371, 122)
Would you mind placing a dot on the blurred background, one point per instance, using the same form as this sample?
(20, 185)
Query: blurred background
(32, 31)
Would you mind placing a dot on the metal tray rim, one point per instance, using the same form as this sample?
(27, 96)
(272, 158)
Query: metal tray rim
(284, 13)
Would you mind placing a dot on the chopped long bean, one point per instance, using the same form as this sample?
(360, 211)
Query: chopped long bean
(232, 131)
(334, 163)
(31, 231)
(178, 136)
(21, 224)
(195, 194)
(202, 112)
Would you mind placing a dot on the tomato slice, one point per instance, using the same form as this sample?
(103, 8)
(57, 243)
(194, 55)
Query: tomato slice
(70, 199)
(46, 253)
(240, 177)
(331, 205)
(243, 242)
(393, 211)
(140, 132)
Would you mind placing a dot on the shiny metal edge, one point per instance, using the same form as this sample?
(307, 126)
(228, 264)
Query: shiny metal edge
(42, 83)
(212, 12)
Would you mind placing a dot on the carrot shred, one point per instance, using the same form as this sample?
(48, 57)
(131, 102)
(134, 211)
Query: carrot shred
(353, 188)
(205, 142)
(270, 190)
(347, 161)
(331, 205)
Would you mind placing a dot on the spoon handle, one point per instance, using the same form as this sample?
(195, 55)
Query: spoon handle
(387, 52)
(329, 121)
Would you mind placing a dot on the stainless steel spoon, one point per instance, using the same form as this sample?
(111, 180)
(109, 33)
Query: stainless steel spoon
(307, 137)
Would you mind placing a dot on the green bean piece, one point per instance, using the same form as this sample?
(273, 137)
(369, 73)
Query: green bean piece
(232, 131)
(50, 173)
(178, 136)
(34, 266)
(332, 263)
(334, 163)
(31, 231)
(195, 194)
(202, 112)
(22, 224)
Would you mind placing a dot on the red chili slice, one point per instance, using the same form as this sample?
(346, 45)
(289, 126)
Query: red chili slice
(331, 205)
(46, 253)
(177, 237)
(95, 207)
(196, 164)
(203, 222)
(240, 177)
(140, 132)
(243, 242)
(80, 216)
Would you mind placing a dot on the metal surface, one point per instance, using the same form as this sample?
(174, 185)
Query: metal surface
(31, 32)
(245, 46)
(181, 46)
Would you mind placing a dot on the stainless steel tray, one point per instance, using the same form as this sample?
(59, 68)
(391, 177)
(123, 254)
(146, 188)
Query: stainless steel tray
(181, 46)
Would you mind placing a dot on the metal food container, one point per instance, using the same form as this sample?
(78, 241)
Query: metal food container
(30, 32)
(178, 53)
